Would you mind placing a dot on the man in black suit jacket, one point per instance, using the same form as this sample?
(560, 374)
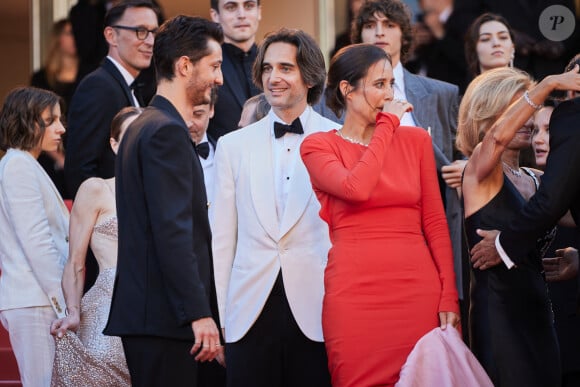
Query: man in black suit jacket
(100, 95)
(239, 20)
(105, 91)
(162, 304)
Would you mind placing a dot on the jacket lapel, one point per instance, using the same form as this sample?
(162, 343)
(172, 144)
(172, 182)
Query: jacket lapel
(111, 69)
(262, 179)
(416, 95)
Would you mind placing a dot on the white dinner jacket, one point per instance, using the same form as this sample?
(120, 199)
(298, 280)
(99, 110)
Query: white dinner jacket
(250, 245)
(33, 235)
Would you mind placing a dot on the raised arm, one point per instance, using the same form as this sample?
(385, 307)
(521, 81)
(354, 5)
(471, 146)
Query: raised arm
(328, 173)
(486, 158)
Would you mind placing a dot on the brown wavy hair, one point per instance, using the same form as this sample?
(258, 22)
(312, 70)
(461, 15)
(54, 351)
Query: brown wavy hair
(21, 123)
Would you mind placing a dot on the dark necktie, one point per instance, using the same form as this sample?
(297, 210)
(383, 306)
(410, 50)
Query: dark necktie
(136, 87)
(281, 129)
(203, 149)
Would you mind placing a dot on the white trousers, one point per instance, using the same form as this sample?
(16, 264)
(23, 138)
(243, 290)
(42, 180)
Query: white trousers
(32, 343)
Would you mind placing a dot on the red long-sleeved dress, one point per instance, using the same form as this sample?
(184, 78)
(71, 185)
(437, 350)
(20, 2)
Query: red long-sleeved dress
(390, 268)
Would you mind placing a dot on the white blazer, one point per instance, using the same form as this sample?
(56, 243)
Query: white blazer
(250, 245)
(33, 235)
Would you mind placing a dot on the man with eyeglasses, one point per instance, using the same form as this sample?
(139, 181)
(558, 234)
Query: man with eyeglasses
(130, 31)
(239, 20)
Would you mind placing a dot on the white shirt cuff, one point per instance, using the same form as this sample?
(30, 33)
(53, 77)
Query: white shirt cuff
(502, 254)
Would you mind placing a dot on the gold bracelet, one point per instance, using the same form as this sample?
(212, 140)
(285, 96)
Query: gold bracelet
(530, 102)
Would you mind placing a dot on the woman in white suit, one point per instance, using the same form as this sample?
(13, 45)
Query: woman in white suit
(34, 226)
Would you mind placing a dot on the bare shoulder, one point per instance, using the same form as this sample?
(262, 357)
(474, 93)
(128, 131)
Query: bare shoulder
(92, 186)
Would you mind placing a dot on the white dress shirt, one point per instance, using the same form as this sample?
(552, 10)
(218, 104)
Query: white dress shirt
(399, 89)
(285, 150)
(208, 169)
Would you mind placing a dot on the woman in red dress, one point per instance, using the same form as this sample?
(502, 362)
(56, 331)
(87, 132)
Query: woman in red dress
(389, 278)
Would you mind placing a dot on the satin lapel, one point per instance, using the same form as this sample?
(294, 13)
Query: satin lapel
(301, 190)
(416, 94)
(262, 180)
(111, 69)
(233, 82)
(46, 180)
(298, 197)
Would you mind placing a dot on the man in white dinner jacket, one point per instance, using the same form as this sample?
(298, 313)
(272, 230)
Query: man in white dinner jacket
(270, 246)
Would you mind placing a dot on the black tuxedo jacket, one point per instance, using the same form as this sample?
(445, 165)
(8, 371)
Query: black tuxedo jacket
(97, 99)
(164, 275)
(230, 100)
(560, 187)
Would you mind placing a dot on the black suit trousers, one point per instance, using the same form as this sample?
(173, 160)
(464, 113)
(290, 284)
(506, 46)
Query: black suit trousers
(156, 362)
(275, 352)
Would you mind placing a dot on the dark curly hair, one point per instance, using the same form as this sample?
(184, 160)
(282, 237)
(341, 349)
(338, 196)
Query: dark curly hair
(395, 10)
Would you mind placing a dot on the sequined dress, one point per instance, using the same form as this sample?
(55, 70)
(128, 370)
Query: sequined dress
(90, 358)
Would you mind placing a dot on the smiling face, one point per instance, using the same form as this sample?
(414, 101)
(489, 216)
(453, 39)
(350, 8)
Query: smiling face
(284, 88)
(370, 94)
(384, 33)
(205, 74)
(494, 46)
(133, 54)
(541, 135)
(53, 131)
(239, 20)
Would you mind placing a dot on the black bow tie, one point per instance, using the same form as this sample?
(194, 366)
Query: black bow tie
(203, 149)
(281, 129)
(137, 87)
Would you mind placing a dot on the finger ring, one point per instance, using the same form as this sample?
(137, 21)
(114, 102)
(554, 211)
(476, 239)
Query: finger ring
(206, 346)
(218, 345)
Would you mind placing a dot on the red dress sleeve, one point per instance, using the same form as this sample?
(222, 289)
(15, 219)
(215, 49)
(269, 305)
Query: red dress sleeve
(435, 228)
(328, 174)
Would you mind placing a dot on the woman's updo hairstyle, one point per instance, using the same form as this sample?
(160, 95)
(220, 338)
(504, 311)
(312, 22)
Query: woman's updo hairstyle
(351, 64)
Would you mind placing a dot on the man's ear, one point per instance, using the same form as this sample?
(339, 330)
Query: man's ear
(215, 15)
(182, 65)
(110, 37)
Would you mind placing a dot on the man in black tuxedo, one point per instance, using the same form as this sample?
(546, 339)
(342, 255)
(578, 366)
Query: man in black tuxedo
(101, 94)
(130, 31)
(239, 20)
(162, 305)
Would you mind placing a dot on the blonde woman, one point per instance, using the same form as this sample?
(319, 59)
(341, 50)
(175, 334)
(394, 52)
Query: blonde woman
(511, 324)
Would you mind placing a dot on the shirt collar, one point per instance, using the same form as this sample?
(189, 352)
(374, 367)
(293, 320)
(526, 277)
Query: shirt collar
(399, 77)
(235, 51)
(444, 15)
(126, 75)
(204, 138)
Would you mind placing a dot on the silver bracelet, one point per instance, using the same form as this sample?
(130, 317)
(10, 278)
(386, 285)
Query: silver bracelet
(530, 102)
